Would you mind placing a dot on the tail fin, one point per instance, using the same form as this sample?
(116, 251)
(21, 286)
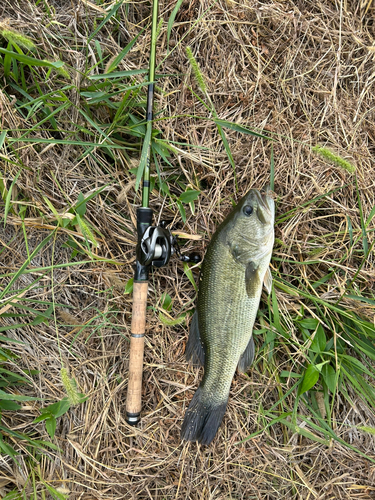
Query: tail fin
(202, 418)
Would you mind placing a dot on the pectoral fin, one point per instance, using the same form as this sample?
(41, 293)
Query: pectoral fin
(247, 358)
(252, 279)
(268, 281)
(194, 348)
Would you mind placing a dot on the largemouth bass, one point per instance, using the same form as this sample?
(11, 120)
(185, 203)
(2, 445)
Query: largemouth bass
(235, 267)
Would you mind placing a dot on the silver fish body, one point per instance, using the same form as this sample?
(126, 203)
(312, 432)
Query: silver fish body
(235, 267)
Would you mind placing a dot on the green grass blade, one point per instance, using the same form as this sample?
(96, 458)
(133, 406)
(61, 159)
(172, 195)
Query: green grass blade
(306, 433)
(272, 170)
(171, 19)
(46, 119)
(229, 152)
(144, 155)
(66, 264)
(90, 197)
(370, 217)
(2, 138)
(363, 225)
(67, 142)
(110, 14)
(118, 74)
(8, 339)
(43, 98)
(189, 274)
(9, 197)
(96, 126)
(15, 397)
(240, 128)
(25, 264)
(31, 61)
(100, 52)
(7, 63)
(123, 53)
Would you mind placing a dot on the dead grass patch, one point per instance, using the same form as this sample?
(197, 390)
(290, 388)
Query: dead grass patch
(304, 72)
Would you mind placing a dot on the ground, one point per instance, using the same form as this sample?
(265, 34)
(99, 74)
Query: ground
(301, 73)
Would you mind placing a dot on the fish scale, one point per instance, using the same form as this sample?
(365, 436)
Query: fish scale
(230, 286)
(229, 327)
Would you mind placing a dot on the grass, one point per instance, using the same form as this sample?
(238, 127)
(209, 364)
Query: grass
(280, 110)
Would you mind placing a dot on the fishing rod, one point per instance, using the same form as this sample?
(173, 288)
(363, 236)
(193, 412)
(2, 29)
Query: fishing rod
(154, 248)
(153, 253)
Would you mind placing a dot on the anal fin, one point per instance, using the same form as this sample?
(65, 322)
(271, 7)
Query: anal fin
(194, 348)
(247, 357)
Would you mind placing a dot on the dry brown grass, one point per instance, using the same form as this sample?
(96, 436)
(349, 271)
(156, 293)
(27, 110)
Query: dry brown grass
(301, 70)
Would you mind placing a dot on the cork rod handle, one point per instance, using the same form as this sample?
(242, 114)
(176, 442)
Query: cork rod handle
(137, 340)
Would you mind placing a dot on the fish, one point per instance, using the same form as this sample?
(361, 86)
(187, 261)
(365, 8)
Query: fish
(233, 272)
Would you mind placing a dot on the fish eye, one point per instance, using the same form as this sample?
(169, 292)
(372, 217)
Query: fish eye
(248, 210)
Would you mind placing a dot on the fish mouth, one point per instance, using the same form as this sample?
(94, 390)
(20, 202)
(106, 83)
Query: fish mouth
(265, 201)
